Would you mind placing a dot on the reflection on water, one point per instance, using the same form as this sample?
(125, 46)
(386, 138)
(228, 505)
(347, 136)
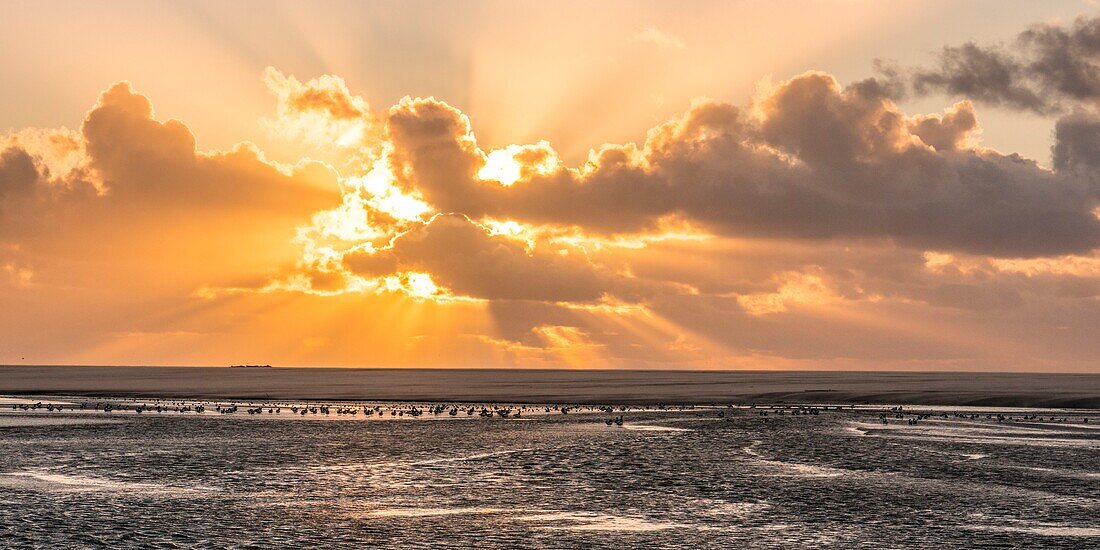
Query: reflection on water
(44, 480)
(707, 477)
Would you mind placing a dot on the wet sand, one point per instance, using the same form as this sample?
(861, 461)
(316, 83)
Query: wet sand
(560, 386)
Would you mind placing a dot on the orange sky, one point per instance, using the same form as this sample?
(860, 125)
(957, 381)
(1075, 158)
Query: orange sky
(789, 185)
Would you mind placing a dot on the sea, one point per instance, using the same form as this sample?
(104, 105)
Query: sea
(160, 474)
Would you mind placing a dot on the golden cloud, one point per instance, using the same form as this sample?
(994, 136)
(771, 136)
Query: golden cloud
(729, 232)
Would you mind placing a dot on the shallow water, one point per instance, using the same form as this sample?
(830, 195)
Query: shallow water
(665, 479)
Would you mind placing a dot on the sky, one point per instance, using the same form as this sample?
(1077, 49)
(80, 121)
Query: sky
(817, 184)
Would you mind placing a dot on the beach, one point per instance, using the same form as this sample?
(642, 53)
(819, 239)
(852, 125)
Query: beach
(119, 472)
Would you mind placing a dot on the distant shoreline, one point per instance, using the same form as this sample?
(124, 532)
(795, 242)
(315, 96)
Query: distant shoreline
(560, 386)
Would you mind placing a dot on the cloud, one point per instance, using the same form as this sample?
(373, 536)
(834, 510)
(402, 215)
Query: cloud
(809, 160)
(465, 258)
(326, 95)
(1045, 67)
(139, 158)
(818, 223)
(18, 174)
(948, 132)
(796, 288)
(324, 113)
(1077, 143)
(128, 185)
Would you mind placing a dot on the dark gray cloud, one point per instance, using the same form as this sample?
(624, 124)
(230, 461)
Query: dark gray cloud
(1077, 142)
(1045, 67)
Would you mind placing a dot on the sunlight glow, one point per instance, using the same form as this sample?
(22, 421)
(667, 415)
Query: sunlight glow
(384, 196)
(515, 162)
(796, 289)
(500, 165)
(420, 285)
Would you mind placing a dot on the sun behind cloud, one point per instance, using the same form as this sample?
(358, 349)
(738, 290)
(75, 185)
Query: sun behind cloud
(816, 224)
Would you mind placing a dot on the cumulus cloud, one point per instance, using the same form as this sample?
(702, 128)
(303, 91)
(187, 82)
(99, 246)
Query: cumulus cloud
(139, 157)
(129, 185)
(843, 194)
(818, 222)
(809, 160)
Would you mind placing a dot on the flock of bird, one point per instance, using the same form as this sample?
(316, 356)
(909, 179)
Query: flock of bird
(502, 411)
(913, 418)
(380, 411)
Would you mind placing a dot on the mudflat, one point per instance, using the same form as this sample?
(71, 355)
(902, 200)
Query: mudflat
(564, 386)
